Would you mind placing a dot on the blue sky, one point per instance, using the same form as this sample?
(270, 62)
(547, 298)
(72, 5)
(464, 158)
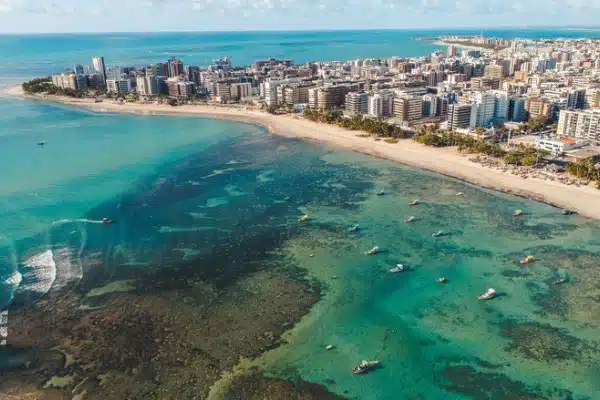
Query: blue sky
(213, 15)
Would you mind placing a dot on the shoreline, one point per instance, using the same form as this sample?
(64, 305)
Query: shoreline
(446, 161)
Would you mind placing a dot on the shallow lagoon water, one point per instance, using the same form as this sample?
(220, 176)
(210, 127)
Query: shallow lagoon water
(186, 189)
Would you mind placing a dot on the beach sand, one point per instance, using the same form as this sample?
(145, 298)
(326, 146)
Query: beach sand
(447, 161)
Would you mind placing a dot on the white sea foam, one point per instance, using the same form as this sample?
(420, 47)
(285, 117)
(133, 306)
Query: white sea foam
(13, 280)
(39, 272)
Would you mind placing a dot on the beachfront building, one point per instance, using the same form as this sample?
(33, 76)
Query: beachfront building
(119, 86)
(501, 106)
(296, 93)
(408, 108)
(556, 147)
(329, 97)
(180, 89)
(485, 103)
(65, 81)
(381, 104)
(270, 92)
(580, 125)
(98, 63)
(357, 103)
(461, 116)
(240, 90)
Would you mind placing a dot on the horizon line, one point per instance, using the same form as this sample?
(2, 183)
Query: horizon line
(488, 28)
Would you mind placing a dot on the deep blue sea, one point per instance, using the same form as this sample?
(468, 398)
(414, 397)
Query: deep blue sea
(180, 189)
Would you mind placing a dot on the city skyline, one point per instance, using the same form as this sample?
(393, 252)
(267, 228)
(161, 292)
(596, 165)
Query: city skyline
(27, 16)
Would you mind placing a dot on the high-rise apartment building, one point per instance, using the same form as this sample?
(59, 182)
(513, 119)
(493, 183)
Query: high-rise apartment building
(297, 93)
(592, 98)
(175, 68)
(516, 109)
(484, 103)
(582, 125)
(430, 105)
(99, 67)
(180, 89)
(78, 69)
(452, 51)
(501, 106)
(381, 104)
(536, 107)
(493, 71)
(575, 98)
(357, 103)
(119, 86)
(240, 90)
(328, 97)
(461, 116)
(408, 108)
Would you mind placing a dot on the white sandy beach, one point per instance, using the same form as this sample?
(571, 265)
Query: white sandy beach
(585, 199)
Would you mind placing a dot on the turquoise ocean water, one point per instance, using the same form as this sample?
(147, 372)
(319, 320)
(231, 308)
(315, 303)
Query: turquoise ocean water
(179, 187)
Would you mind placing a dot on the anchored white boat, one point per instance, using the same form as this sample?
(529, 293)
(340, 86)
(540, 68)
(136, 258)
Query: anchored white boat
(490, 294)
(303, 218)
(365, 366)
(381, 192)
(373, 251)
(409, 219)
(438, 233)
(397, 268)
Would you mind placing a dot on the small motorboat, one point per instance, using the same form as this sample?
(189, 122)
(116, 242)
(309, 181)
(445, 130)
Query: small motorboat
(459, 193)
(355, 228)
(329, 347)
(438, 233)
(490, 294)
(409, 219)
(303, 218)
(569, 212)
(517, 213)
(560, 281)
(334, 277)
(397, 268)
(381, 193)
(41, 143)
(527, 260)
(373, 251)
(442, 279)
(311, 255)
(414, 203)
(106, 221)
(365, 366)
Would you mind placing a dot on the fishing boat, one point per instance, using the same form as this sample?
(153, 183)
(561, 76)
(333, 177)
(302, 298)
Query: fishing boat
(397, 268)
(373, 251)
(365, 366)
(106, 221)
(569, 212)
(527, 260)
(355, 228)
(490, 294)
(41, 143)
(442, 279)
(303, 218)
(414, 203)
(459, 193)
(381, 192)
(560, 281)
(409, 219)
(517, 213)
(438, 233)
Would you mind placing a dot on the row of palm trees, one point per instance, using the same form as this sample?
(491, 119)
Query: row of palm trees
(585, 169)
(357, 123)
